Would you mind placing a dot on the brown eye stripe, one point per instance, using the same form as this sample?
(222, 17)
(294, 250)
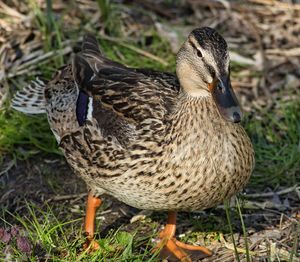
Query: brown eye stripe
(192, 44)
(211, 70)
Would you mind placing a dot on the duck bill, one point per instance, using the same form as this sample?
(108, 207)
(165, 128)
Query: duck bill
(225, 99)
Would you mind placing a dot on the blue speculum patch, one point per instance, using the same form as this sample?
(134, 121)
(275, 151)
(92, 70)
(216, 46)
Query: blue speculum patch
(82, 107)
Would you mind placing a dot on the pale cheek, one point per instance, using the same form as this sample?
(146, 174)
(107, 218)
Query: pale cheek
(206, 76)
(204, 73)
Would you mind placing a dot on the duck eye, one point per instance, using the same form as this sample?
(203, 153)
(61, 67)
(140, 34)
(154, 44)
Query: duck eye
(199, 54)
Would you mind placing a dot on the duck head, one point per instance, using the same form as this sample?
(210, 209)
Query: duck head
(202, 67)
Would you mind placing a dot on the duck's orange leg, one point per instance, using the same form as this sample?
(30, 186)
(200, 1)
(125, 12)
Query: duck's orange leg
(92, 205)
(175, 250)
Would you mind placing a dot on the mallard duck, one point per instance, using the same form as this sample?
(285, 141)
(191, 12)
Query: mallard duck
(153, 140)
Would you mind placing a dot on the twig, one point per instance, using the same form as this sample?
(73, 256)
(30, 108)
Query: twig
(135, 49)
(235, 57)
(155, 8)
(32, 64)
(67, 197)
(7, 167)
(64, 51)
(284, 52)
(10, 11)
(277, 4)
(238, 249)
(270, 194)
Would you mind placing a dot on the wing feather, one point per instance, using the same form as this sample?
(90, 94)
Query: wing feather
(137, 94)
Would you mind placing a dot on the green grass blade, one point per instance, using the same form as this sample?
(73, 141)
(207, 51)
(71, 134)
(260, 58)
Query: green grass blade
(227, 208)
(244, 230)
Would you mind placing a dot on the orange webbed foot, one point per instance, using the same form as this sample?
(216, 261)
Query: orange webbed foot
(173, 250)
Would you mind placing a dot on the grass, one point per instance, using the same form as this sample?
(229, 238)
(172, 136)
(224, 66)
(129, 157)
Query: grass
(58, 239)
(23, 137)
(56, 233)
(275, 137)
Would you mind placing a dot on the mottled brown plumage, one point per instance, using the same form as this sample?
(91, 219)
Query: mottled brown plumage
(148, 138)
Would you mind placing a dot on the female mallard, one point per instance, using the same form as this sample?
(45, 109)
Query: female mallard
(150, 139)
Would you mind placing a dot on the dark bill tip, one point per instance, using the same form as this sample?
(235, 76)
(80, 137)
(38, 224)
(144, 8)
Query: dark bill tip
(232, 113)
(236, 117)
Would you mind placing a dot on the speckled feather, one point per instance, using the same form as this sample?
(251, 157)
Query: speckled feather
(147, 142)
(30, 100)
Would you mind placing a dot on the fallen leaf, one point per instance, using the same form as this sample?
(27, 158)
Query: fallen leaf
(23, 244)
(5, 236)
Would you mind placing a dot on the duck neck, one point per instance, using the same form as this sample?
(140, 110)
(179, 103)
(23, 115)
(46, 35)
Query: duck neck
(195, 117)
(195, 126)
(196, 111)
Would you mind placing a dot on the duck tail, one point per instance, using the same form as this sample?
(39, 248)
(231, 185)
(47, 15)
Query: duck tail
(30, 100)
(90, 45)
